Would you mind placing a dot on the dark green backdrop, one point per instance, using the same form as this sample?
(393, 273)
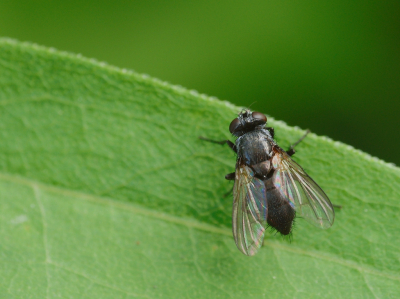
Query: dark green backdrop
(330, 66)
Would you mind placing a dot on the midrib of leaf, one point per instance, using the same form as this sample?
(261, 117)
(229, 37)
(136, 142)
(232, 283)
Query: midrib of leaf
(186, 222)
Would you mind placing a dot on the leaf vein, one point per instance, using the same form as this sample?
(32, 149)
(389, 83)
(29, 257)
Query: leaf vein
(187, 222)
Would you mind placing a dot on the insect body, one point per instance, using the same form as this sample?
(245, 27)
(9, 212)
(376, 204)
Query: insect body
(270, 189)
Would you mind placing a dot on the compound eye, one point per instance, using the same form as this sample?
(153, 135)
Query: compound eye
(259, 116)
(235, 124)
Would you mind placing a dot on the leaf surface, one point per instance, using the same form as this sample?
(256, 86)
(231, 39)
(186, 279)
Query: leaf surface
(107, 192)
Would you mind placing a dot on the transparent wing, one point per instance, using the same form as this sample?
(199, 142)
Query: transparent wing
(250, 210)
(305, 196)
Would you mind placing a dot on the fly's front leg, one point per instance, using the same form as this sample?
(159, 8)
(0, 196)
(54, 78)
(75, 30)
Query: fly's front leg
(291, 150)
(271, 131)
(228, 142)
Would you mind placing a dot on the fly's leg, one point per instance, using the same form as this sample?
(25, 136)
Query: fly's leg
(291, 150)
(228, 142)
(229, 176)
(271, 131)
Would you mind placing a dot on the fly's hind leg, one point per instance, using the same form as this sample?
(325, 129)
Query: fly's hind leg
(228, 142)
(291, 150)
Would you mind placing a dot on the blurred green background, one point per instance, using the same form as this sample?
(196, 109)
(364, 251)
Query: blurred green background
(330, 66)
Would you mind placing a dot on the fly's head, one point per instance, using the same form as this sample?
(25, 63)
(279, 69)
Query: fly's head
(247, 121)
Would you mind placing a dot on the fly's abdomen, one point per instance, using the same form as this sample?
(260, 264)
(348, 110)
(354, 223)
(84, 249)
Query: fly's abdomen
(280, 212)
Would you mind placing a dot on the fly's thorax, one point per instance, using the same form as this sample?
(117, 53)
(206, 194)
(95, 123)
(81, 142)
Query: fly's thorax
(262, 169)
(254, 147)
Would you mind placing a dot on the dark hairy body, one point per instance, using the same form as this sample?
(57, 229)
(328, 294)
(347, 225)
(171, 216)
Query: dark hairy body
(255, 149)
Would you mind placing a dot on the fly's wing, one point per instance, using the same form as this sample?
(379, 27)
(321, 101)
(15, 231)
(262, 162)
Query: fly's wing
(250, 210)
(305, 196)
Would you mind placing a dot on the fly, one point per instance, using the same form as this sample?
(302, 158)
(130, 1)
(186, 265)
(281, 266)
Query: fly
(270, 189)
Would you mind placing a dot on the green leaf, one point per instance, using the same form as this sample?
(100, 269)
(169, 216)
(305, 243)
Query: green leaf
(107, 192)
